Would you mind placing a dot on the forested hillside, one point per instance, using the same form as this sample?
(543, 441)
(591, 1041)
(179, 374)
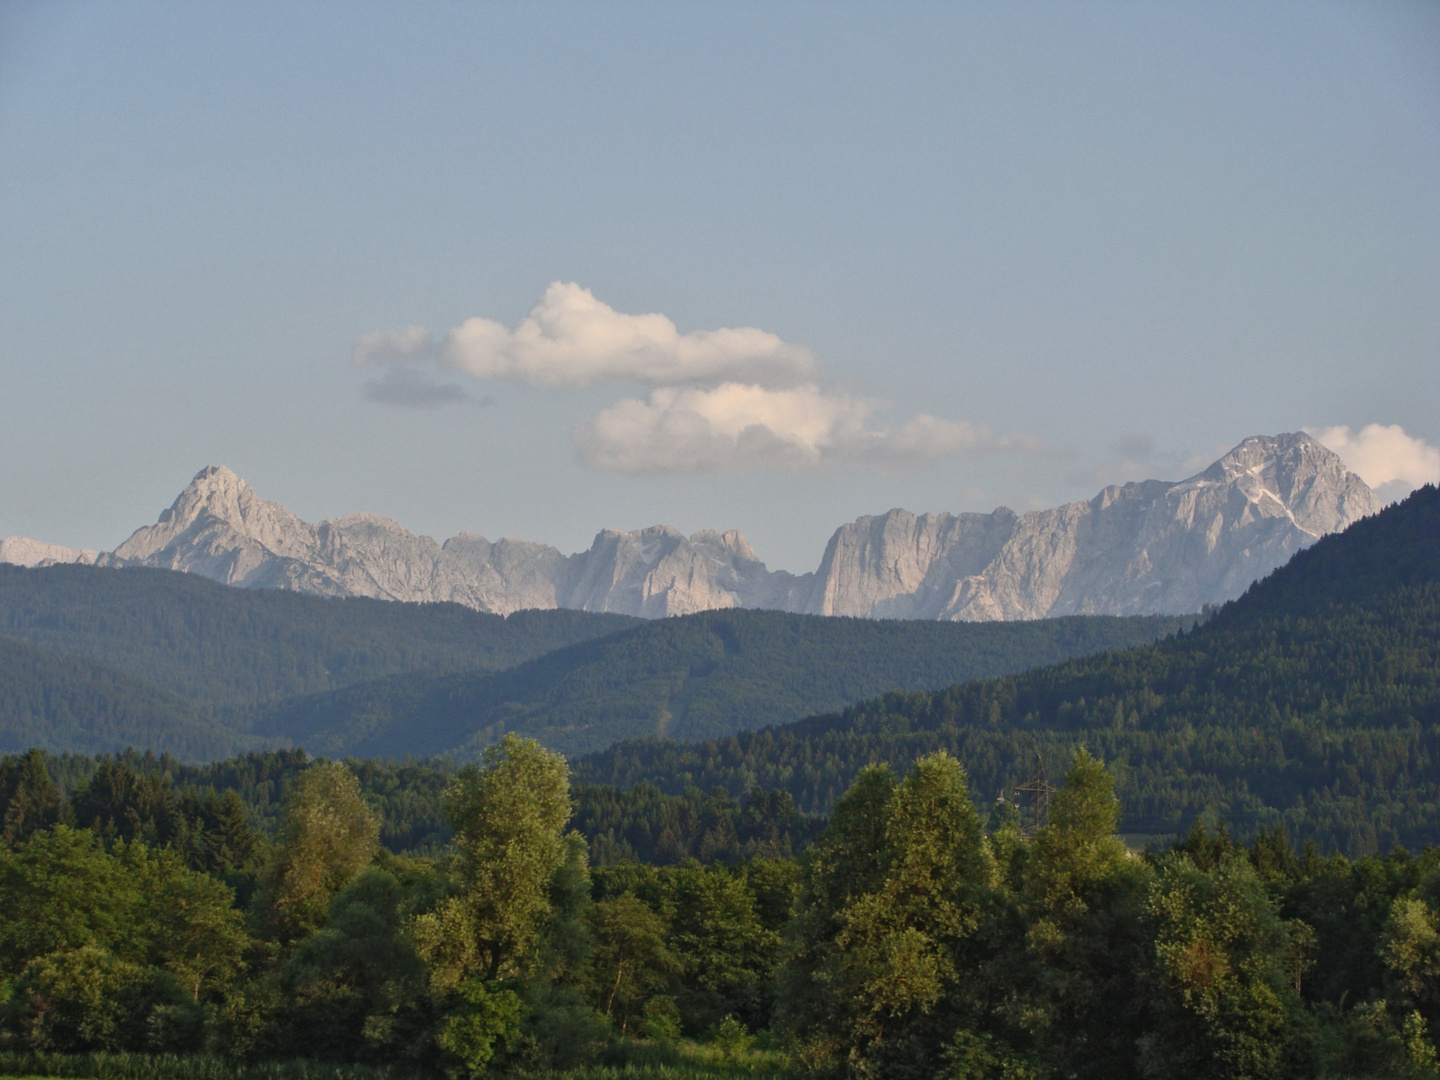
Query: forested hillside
(692, 677)
(68, 703)
(216, 645)
(1312, 702)
(276, 668)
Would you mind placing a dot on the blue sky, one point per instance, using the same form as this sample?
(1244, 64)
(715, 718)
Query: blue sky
(998, 253)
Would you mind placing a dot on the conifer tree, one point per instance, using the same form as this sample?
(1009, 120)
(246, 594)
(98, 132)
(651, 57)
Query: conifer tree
(28, 796)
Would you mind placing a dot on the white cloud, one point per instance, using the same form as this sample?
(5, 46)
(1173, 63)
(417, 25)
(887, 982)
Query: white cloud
(720, 400)
(572, 339)
(1392, 462)
(736, 426)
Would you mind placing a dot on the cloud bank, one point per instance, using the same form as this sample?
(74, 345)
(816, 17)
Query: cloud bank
(736, 425)
(719, 400)
(1391, 461)
(393, 346)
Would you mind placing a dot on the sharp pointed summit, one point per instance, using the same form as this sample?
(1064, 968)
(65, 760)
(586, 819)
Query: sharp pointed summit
(219, 528)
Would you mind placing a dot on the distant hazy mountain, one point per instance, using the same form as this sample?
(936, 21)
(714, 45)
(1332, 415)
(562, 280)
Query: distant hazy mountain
(1148, 548)
(22, 551)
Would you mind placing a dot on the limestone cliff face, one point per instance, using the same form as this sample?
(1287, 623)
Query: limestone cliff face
(657, 572)
(219, 528)
(506, 576)
(902, 565)
(1146, 548)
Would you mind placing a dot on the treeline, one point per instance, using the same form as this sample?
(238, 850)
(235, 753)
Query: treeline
(157, 799)
(158, 921)
(1312, 703)
(1064, 955)
(643, 825)
(912, 939)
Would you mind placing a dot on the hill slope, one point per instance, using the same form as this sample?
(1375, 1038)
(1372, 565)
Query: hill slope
(66, 703)
(220, 646)
(702, 675)
(1313, 702)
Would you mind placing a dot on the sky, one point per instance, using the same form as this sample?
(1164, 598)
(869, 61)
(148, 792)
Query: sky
(532, 270)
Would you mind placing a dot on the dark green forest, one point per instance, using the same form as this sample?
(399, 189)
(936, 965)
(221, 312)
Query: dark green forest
(212, 644)
(691, 677)
(101, 659)
(913, 937)
(63, 702)
(153, 798)
(1312, 703)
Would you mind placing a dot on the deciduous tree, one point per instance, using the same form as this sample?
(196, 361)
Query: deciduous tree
(1224, 1003)
(329, 836)
(509, 817)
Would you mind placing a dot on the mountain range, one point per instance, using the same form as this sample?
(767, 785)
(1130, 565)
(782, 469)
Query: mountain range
(1153, 547)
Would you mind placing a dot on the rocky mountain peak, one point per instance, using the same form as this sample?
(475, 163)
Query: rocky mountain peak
(1293, 475)
(732, 544)
(1142, 548)
(1285, 457)
(216, 491)
(217, 511)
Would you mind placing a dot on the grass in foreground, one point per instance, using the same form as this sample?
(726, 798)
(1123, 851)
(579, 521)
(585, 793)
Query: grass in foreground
(684, 1060)
(679, 1060)
(126, 1066)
